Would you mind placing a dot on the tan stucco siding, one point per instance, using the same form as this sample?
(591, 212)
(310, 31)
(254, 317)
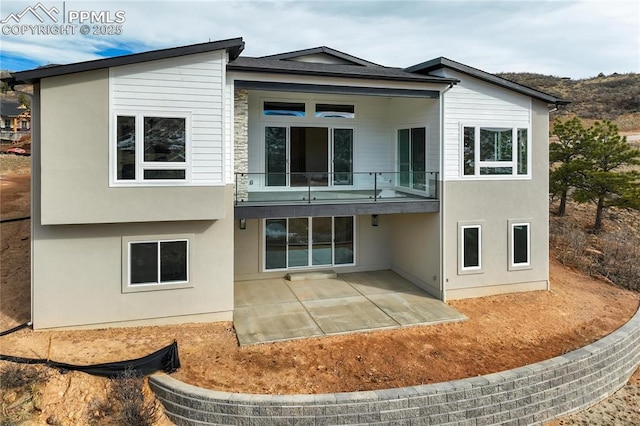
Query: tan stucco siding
(75, 164)
(494, 203)
(415, 249)
(78, 274)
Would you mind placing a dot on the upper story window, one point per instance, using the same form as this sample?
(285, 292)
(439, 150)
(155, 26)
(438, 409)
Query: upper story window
(151, 147)
(291, 109)
(491, 151)
(335, 111)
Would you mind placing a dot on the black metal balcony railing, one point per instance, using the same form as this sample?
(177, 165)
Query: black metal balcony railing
(340, 187)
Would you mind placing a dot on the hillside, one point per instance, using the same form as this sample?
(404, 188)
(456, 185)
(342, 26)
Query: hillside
(614, 97)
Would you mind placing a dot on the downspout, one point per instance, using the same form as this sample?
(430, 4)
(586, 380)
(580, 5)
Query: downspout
(443, 293)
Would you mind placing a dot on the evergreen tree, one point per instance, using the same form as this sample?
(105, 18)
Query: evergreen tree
(563, 158)
(602, 172)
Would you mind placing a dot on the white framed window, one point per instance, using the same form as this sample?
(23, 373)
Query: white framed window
(519, 244)
(151, 147)
(155, 263)
(495, 151)
(308, 242)
(327, 110)
(469, 247)
(284, 108)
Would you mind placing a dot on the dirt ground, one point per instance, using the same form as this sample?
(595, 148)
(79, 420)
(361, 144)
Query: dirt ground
(502, 332)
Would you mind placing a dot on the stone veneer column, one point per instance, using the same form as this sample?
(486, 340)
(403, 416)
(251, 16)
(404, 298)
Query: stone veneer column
(241, 142)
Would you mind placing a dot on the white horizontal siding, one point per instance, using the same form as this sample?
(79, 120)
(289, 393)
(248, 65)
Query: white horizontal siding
(474, 102)
(375, 126)
(420, 113)
(193, 85)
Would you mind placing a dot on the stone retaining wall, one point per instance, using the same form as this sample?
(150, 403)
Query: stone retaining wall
(522, 396)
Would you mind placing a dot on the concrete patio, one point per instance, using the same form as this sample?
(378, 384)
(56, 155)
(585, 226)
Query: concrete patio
(277, 309)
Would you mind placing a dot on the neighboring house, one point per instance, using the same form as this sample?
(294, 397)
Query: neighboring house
(15, 119)
(190, 168)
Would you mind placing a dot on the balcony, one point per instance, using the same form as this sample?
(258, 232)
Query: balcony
(344, 193)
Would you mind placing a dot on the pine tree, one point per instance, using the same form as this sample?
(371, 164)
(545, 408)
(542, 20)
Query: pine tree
(602, 173)
(563, 158)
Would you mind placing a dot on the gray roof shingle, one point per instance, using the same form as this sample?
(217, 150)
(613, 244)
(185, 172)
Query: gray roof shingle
(280, 66)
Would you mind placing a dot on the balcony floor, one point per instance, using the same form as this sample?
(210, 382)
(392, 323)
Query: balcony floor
(332, 196)
(273, 310)
(332, 203)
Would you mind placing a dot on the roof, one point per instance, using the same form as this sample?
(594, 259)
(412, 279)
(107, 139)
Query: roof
(322, 50)
(11, 108)
(377, 72)
(426, 68)
(233, 46)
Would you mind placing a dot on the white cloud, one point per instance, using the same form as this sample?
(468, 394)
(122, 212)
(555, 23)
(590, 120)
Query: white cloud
(568, 38)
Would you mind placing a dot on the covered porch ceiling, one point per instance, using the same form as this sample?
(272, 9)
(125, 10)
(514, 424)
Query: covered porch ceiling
(335, 89)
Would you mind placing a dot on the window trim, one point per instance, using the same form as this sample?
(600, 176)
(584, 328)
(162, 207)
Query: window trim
(478, 164)
(462, 225)
(263, 235)
(142, 165)
(525, 265)
(128, 287)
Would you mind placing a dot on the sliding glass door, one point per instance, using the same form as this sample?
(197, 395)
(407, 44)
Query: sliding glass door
(315, 156)
(412, 156)
(309, 242)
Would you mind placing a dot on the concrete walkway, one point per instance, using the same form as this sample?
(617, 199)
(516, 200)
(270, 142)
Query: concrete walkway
(272, 310)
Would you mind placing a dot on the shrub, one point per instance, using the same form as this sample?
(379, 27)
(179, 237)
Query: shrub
(126, 403)
(20, 392)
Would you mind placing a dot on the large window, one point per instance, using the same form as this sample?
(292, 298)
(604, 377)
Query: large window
(520, 246)
(309, 242)
(412, 158)
(495, 151)
(470, 248)
(151, 148)
(156, 263)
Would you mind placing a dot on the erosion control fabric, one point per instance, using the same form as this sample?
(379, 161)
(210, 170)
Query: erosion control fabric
(165, 359)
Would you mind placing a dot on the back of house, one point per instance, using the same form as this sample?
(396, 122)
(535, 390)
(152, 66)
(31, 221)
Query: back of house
(190, 169)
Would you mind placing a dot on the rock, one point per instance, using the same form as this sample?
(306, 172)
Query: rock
(53, 420)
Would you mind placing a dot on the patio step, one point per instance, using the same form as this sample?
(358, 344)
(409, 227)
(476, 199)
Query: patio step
(318, 275)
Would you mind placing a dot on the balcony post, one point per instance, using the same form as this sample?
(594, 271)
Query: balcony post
(375, 187)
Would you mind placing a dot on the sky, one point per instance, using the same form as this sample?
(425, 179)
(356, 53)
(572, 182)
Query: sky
(576, 39)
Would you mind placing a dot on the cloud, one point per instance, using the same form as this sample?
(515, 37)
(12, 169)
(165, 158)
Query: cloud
(568, 38)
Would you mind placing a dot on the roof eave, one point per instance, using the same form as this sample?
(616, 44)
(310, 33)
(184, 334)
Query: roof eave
(233, 46)
(244, 68)
(438, 63)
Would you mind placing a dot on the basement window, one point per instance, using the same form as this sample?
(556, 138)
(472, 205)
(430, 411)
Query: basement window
(519, 245)
(154, 264)
(469, 248)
